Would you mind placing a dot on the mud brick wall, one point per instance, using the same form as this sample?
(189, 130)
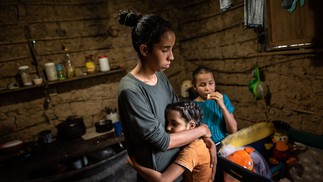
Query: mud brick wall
(205, 36)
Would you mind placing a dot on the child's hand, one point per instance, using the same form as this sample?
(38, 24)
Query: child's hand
(217, 96)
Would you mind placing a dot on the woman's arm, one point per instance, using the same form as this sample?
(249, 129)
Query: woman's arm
(171, 173)
(212, 149)
(183, 138)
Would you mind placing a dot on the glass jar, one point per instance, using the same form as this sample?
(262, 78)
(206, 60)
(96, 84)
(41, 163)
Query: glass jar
(89, 64)
(25, 77)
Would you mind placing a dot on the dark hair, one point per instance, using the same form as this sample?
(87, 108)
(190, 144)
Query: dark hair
(188, 110)
(147, 29)
(199, 70)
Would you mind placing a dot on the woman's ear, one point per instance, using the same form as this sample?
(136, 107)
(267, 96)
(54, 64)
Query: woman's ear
(143, 49)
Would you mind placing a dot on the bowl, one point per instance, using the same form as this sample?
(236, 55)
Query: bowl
(38, 81)
(12, 146)
(103, 126)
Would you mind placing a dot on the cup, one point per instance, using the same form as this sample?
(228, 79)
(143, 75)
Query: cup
(45, 136)
(38, 81)
(117, 128)
(80, 163)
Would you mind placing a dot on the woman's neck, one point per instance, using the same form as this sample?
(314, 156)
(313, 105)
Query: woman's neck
(144, 74)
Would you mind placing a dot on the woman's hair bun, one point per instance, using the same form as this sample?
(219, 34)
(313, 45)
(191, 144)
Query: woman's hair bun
(128, 18)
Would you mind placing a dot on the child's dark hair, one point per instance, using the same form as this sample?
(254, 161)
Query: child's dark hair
(147, 29)
(188, 110)
(199, 70)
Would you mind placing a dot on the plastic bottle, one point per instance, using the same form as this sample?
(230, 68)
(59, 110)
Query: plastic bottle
(60, 72)
(51, 71)
(70, 72)
(104, 63)
(114, 117)
(25, 77)
(89, 64)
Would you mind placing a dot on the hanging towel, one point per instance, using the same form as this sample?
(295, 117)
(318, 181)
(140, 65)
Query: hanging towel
(254, 13)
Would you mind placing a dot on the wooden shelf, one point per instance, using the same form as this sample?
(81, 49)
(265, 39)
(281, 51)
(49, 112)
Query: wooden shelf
(86, 76)
(50, 83)
(26, 94)
(20, 89)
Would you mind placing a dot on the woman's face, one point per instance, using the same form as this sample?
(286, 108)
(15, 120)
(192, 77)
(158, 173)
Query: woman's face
(204, 84)
(176, 123)
(161, 55)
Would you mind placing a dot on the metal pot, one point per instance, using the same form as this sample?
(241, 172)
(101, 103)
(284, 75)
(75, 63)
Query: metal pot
(103, 126)
(72, 128)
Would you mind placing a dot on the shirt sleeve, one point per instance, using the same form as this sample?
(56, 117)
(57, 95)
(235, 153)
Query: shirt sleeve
(141, 121)
(187, 158)
(228, 104)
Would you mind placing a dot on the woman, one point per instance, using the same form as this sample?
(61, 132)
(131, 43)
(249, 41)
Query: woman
(145, 92)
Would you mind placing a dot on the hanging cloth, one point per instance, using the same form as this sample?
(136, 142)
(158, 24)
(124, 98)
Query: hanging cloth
(254, 13)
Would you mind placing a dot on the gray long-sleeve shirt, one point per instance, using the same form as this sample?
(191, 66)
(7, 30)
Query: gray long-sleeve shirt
(141, 111)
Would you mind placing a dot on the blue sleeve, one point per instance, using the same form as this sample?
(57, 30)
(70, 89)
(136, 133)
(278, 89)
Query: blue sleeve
(228, 104)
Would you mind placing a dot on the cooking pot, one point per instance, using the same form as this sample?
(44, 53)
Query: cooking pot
(103, 126)
(72, 128)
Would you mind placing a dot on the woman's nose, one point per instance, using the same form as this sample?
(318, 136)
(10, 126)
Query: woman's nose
(171, 56)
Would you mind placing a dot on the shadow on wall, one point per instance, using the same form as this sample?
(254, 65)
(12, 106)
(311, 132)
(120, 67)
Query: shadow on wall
(318, 29)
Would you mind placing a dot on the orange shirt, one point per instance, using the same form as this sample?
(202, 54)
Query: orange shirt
(195, 158)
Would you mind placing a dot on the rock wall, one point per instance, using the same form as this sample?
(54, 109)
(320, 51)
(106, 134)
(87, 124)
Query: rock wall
(205, 36)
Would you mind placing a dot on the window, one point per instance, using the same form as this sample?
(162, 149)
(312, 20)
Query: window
(300, 29)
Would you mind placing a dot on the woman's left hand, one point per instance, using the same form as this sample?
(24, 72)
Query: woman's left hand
(212, 149)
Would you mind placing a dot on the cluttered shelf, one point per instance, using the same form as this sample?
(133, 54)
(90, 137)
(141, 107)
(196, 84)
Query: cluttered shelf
(97, 74)
(42, 85)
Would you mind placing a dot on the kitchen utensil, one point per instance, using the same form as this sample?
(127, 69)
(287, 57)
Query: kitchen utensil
(72, 128)
(12, 146)
(103, 126)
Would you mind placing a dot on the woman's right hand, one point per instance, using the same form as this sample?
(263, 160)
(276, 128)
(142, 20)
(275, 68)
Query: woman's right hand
(206, 131)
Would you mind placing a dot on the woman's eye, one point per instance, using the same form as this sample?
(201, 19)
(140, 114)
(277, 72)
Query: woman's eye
(165, 50)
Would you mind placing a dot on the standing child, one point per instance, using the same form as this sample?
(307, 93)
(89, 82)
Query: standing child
(217, 108)
(194, 159)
